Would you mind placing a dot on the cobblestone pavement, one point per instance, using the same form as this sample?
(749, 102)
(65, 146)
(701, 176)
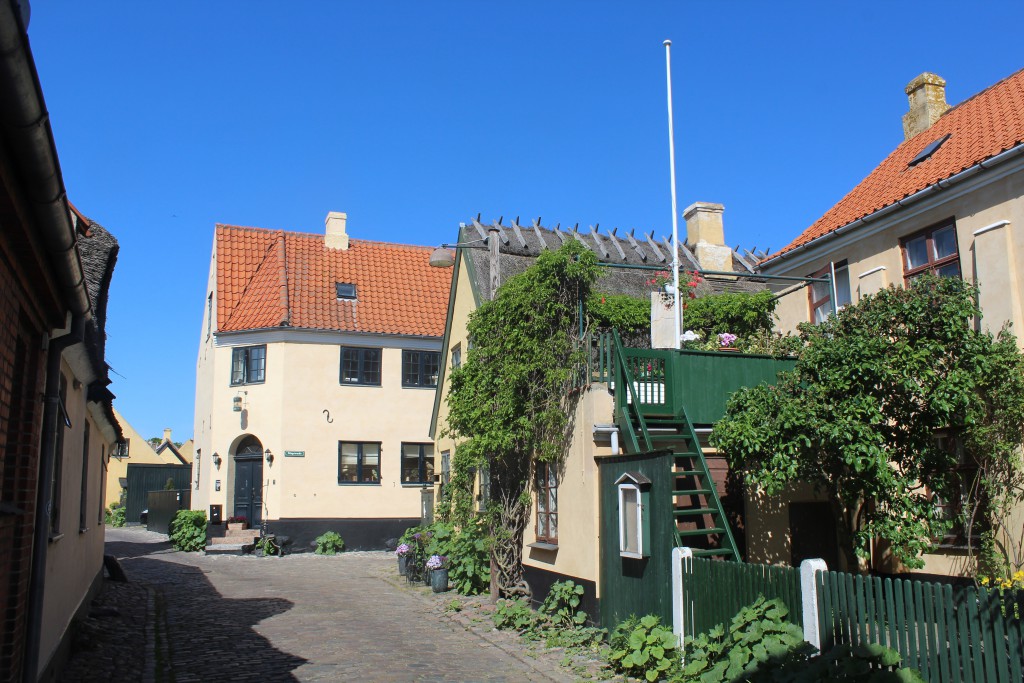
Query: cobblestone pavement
(188, 617)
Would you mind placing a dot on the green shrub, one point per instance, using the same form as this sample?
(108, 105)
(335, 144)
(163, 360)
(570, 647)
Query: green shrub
(114, 515)
(643, 648)
(517, 615)
(842, 664)
(757, 634)
(561, 604)
(329, 543)
(267, 545)
(188, 530)
(467, 550)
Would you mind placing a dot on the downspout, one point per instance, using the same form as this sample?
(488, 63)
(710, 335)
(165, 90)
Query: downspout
(41, 535)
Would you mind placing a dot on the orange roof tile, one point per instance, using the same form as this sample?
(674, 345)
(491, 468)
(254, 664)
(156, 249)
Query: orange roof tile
(273, 278)
(980, 128)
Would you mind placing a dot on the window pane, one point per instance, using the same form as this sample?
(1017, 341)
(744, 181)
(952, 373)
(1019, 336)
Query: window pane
(237, 366)
(428, 464)
(821, 312)
(371, 462)
(257, 363)
(411, 368)
(843, 297)
(820, 290)
(917, 252)
(542, 526)
(949, 270)
(371, 366)
(553, 500)
(410, 463)
(944, 242)
(431, 367)
(348, 468)
(629, 530)
(553, 527)
(350, 365)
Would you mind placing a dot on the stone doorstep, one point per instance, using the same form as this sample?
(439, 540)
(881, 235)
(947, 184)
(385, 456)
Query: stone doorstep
(247, 536)
(229, 549)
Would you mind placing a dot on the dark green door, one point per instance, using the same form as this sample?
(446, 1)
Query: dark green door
(249, 488)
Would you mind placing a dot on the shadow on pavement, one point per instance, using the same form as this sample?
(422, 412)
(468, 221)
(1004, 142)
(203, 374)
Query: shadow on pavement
(198, 634)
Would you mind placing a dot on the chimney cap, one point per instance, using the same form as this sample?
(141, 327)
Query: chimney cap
(702, 206)
(926, 78)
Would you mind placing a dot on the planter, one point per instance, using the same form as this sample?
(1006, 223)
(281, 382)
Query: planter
(439, 580)
(403, 564)
(729, 348)
(237, 526)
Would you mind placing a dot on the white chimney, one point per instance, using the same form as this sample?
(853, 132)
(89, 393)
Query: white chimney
(167, 434)
(706, 237)
(335, 236)
(927, 96)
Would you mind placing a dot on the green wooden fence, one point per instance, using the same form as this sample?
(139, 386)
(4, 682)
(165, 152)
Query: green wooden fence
(714, 591)
(946, 633)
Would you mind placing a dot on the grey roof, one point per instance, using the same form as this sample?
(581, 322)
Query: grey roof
(521, 244)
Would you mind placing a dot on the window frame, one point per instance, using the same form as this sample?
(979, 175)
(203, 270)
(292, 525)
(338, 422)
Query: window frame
(422, 464)
(83, 500)
(421, 369)
(815, 304)
(245, 353)
(360, 463)
(456, 356)
(63, 422)
(544, 472)
(933, 265)
(361, 366)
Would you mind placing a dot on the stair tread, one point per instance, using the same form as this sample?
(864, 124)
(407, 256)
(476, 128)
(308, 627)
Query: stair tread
(700, 532)
(713, 551)
(691, 492)
(688, 473)
(695, 511)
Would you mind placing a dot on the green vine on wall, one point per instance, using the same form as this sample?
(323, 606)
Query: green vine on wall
(510, 402)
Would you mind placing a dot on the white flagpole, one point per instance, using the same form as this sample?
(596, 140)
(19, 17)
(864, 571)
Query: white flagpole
(675, 213)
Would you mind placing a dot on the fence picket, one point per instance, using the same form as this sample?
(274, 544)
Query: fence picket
(862, 613)
(951, 640)
(999, 636)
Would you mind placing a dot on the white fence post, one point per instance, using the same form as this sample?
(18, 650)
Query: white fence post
(679, 557)
(809, 599)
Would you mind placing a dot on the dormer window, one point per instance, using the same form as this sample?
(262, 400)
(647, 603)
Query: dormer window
(345, 290)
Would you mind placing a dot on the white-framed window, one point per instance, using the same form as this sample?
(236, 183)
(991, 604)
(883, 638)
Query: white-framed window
(820, 293)
(547, 503)
(634, 529)
(932, 250)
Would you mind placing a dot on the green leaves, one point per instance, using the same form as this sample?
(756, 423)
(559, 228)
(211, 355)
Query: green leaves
(861, 415)
(642, 648)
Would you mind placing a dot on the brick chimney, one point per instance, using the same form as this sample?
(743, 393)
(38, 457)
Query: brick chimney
(167, 434)
(706, 237)
(335, 236)
(927, 96)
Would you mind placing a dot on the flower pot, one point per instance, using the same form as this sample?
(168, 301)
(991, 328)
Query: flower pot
(237, 526)
(439, 580)
(669, 288)
(403, 563)
(729, 348)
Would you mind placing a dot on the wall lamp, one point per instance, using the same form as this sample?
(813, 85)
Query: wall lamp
(270, 457)
(216, 459)
(442, 257)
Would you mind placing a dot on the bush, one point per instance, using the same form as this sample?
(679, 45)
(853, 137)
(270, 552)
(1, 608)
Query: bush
(467, 550)
(188, 530)
(561, 604)
(517, 615)
(114, 515)
(757, 634)
(329, 543)
(267, 545)
(643, 648)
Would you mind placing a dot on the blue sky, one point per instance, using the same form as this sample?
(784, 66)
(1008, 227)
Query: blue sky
(412, 116)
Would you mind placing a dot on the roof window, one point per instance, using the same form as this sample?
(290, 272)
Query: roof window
(345, 290)
(929, 150)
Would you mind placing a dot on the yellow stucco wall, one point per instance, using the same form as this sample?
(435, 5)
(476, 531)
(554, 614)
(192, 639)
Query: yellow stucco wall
(74, 556)
(139, 452)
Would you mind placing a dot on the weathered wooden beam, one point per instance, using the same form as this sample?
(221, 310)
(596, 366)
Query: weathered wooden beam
(540, 235)
(654, 247)
(597, 241)
(633, 243)
(481, 230)
(519, 234)
(618, 247)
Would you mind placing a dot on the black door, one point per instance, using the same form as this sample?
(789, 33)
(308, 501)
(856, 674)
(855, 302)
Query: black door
(249, 488)
(812, 528)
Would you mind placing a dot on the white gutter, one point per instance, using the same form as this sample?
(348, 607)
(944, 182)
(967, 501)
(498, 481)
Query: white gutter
(942, 184)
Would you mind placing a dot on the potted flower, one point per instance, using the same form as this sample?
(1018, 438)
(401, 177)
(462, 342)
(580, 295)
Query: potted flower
(438, 568)
(237, 523)
(726, 341)
(402, 551)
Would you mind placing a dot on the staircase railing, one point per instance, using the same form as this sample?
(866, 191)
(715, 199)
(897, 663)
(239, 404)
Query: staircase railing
(629, 411)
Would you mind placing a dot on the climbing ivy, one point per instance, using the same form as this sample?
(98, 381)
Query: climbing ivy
(510, 401)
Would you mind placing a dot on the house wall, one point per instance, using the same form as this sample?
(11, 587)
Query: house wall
(139, 451)
(578, 554)
(991, 257)
(301, 407)
(203, 470)
(74, 559)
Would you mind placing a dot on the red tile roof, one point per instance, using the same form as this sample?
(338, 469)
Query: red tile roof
(980, 128)
(273, 278)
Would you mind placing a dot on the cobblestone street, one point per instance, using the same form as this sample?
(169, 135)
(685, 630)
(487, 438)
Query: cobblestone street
(188, 617)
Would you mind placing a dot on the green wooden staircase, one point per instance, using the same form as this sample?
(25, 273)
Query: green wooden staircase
(650, 418)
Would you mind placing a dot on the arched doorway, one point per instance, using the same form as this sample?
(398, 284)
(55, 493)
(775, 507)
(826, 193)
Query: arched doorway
(249, 480)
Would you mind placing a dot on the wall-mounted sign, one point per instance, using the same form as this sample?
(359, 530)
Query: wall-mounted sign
(295, 454)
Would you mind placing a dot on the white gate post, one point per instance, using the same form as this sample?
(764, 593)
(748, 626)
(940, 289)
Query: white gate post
(679, 556)
(809, 599)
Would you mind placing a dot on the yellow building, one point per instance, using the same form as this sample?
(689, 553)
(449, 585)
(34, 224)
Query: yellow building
(318, 359)
(134, 449)
(562, 540)
(948, 200)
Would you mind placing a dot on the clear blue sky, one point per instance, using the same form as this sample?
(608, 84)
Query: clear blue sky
(412, 116)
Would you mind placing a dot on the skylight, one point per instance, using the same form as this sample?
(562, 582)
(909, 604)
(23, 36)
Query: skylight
(928, 150)
(345, 290)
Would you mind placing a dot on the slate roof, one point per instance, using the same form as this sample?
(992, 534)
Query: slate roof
(521, 244)
(274, 278)
(980, 127)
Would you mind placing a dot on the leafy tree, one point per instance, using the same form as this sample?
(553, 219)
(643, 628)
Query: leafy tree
(744, 314)
(886, 400)
(510, 402)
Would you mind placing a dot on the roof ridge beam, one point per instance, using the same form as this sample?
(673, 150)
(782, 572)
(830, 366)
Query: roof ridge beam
(615, 243)
(540, 235)
(597, 241)
(654, 246)
(633, 243)
(519, 234)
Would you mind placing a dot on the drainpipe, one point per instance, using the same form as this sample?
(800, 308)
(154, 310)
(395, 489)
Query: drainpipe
(41, 536)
